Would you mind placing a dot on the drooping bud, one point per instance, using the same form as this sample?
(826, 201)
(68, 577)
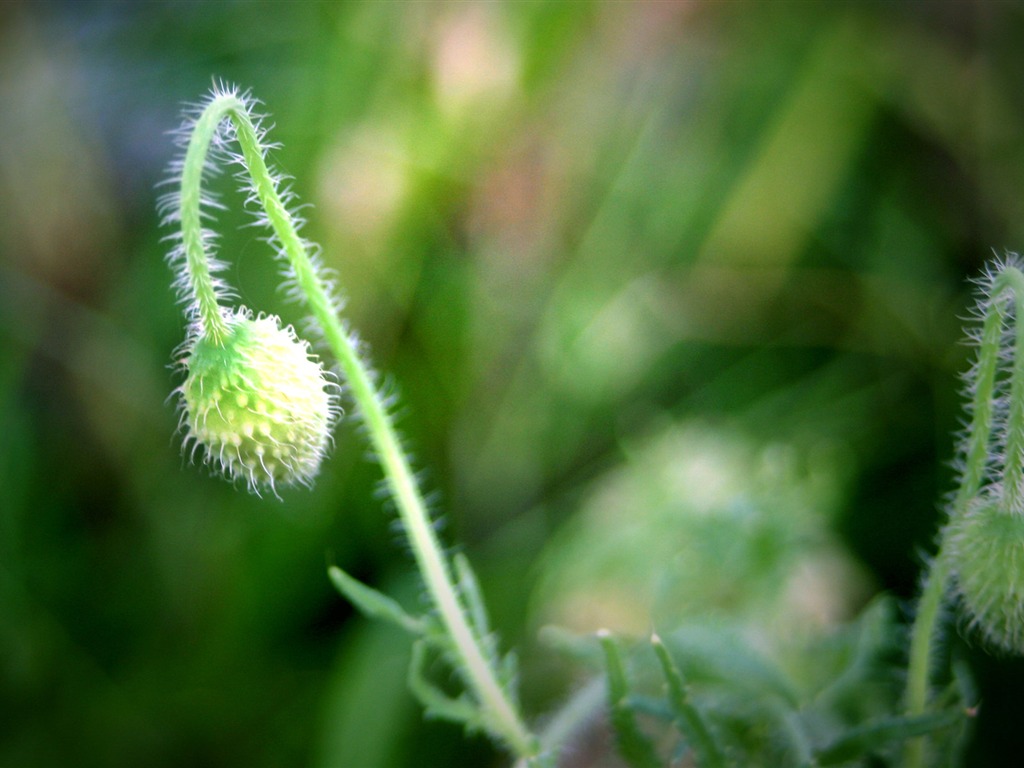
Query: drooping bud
(258, 403)
(986, 545)
(984, 540)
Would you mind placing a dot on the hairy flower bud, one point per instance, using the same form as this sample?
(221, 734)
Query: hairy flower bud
(258, 403)
(987, 551)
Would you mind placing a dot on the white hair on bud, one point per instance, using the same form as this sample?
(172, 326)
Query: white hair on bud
(260, 406)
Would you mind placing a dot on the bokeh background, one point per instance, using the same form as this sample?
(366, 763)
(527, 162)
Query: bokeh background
(627, 264)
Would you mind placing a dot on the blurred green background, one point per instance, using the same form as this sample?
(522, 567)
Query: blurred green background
(626, 263)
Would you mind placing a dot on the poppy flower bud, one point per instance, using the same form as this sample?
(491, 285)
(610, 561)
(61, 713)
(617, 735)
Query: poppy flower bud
(258, 403)
(987, 551)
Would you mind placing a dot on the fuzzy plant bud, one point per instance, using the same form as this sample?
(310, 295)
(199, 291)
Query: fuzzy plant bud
(984, 540)
(257, 402)
(987, 544)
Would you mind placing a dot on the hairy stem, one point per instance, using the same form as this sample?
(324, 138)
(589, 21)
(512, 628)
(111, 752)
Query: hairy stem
(434, 567)
(974, 472)
(196, 259)
(922, 641)
(1013, 471)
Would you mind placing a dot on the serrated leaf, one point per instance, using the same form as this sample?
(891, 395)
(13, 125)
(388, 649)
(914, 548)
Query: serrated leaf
(372, 603)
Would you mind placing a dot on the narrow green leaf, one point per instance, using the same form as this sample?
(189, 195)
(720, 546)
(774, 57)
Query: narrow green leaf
(965, 685)
(469, 590)
(719, 654)
(876, 734)
(436, 703)
(508, 671)
(633, 745)
(373, 603)
(688, 720)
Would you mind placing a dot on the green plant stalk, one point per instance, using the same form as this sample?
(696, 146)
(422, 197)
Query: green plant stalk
(436, 572)
(1013, 468)
(688, 718)
(929, 610)
(196, 261)
(922, 639)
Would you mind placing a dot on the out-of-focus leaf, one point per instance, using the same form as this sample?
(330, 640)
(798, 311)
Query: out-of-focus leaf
(374, 603)
(632, 743)
(879, 734)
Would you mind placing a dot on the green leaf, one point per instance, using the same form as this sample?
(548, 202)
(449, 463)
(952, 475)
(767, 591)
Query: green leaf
(633, 745)
(469, 589)
(373, 603)
(875, 735)
(688, 719)
(436, 703)
(720, 655)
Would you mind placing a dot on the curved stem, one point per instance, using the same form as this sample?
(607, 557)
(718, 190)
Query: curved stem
(975, 470)
(196, 259)
(434, 567)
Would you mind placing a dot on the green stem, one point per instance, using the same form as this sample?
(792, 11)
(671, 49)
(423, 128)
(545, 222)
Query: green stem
(975, 469)
(479, 675)
(929, 609)
(196, 260)
(1013, 471)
